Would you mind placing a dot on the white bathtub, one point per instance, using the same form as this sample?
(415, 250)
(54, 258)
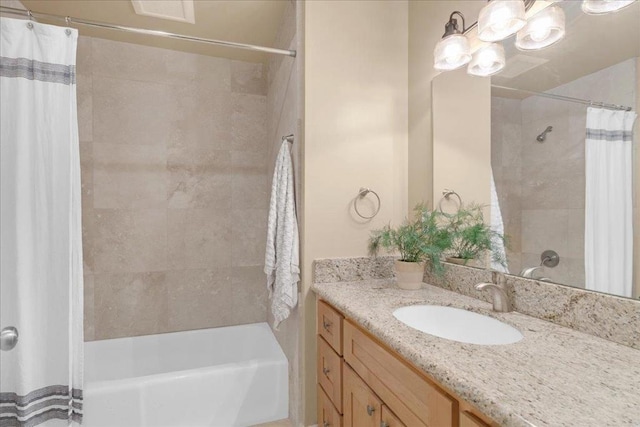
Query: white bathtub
(231, 376)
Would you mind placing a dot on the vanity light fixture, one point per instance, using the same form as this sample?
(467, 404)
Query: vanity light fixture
(600, 7)
(488, 60)
(500, 19)
(453, 51)
(543, 29)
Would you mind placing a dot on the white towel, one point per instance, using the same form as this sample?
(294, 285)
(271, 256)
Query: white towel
(281, 263)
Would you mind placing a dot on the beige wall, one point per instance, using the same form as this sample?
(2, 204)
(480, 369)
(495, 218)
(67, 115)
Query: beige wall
(426, 26)
(174, 179)
(283, 118)
(355, 135)
(462, 138)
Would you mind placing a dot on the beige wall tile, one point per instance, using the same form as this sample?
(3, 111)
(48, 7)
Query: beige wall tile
(84, 56)
(161, 168)
(129, 176)
(149, 64)
(250, 191)
(200, 238)
(84, 96)
(248, 122)
(248, 78)
(130, 304)
(203, 118)
(249, 294)
(199, 299)
(131, 112)
(89, 321)
(129, 240)
(248, 162)
(199, 177)
(86, 174)
(544, 229)
(249, 236)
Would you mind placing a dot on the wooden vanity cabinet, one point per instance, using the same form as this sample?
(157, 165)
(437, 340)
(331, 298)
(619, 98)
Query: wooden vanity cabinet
(362, 408)
(371, 385)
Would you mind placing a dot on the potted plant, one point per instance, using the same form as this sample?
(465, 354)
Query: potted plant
(471, 238)
(419, 241)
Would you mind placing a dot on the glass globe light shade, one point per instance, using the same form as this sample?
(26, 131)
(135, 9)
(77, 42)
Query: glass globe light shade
(500, 19)
(543, 29)
(452, 52)
(487, 61)
(600, 7)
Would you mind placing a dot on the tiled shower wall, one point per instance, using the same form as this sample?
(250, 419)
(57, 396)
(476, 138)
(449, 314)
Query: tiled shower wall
(541, 186)
(174, 179)
(283, 118)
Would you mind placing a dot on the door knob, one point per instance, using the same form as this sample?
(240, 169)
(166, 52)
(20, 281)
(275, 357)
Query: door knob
(8, 338)
(370, 410)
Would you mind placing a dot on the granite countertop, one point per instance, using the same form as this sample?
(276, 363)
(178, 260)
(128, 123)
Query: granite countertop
(554, 376)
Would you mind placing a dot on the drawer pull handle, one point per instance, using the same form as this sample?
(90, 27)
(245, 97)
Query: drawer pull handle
(370, 410)
(383, 424)
(326, 371)
(326, 424)
(326, 325)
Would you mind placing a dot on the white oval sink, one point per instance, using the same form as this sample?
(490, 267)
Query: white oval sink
(457, 324)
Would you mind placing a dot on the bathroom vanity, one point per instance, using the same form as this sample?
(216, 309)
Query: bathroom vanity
(373, 370)
(363, 382)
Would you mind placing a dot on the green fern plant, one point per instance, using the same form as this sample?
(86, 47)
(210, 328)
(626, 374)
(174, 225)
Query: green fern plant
(417, 240)
(471, 237)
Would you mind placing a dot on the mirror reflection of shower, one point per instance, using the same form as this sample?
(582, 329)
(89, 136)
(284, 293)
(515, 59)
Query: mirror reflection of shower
(543, 136)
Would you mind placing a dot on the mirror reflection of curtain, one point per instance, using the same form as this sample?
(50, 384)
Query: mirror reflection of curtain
(609, 201)
(40, 229)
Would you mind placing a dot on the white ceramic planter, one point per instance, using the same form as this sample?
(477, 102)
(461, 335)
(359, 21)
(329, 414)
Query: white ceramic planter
(409, 274)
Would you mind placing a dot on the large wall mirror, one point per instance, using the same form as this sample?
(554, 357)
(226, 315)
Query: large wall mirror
(549, 187)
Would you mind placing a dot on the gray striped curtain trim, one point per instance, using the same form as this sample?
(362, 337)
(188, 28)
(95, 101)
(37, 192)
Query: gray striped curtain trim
(36, 70)
(31, 409)
(609, 135)
(17, 411)
(60, 414)
(53, 390)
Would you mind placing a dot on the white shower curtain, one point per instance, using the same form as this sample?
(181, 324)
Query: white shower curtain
(609, 203)
(40, 235)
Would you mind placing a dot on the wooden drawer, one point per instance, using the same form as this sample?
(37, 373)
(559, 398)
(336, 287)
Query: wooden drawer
(328, 415)
(467, 419)
(330, 326)
(330, 373)
(362, 408)
(415, 400)
(389, 419)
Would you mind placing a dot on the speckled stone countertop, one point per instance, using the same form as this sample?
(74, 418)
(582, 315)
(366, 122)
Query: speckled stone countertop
(555, 376)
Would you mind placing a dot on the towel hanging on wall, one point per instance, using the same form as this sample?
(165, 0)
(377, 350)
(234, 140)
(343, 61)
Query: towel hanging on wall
(281, 264)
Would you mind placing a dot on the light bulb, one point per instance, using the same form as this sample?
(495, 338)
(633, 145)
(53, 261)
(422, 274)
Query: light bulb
(487, 61)
(452, 52)
(543, 29)
(500, 19)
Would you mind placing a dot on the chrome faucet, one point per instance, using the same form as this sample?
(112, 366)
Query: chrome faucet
(498, 290)
(528, 272)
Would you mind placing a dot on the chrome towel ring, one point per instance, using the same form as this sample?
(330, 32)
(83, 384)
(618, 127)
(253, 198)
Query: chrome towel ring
(446, 194)
(361, 195)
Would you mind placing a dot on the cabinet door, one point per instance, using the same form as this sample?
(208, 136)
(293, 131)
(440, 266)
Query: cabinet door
(328, 416)
(389, 419)
(361, 407)
(467, 419)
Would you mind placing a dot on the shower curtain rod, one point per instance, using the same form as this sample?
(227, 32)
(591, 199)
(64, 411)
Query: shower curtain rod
(69, 20)
(568, 98)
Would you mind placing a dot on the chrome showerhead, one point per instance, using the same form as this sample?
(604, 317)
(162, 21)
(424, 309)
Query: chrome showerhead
(543, 135)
